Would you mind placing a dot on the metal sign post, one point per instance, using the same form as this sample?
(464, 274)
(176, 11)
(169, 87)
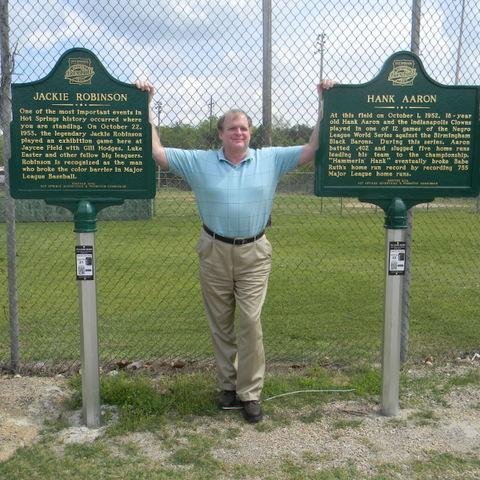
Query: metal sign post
(396, 224)
(85, 226)
(85, 221)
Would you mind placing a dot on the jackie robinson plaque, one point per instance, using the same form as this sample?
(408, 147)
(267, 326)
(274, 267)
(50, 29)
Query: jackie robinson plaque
(80, 133)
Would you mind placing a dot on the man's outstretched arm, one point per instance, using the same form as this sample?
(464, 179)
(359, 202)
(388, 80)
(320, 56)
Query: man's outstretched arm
(158, 150)
(309, 149)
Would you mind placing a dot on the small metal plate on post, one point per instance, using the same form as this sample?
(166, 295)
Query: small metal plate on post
(84, 261)
(397, 258)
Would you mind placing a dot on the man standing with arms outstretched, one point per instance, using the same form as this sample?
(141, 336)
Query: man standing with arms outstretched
(234, 189)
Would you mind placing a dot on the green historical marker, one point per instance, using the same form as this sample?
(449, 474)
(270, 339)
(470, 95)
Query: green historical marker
(400, 135)
(80, 133)
(82, 140)
(396, 141)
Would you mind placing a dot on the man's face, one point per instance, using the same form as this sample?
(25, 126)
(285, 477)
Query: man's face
(236, 133)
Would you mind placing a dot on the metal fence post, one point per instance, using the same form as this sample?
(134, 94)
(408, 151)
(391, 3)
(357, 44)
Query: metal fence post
(5, 113)
(267, 73)
(405, 324)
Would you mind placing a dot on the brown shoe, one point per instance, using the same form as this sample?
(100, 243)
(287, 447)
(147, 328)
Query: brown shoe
(252, 411)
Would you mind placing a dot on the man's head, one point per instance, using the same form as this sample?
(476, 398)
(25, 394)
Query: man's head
(234, 130)
(232, 114)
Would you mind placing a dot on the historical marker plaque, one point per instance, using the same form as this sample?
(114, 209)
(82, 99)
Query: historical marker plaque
(80, 133)
(400, 135)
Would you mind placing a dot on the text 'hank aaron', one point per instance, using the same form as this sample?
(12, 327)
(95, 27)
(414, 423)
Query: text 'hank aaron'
(419, 98)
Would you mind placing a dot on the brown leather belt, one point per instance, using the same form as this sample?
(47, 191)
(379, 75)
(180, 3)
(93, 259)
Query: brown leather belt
(233, 241)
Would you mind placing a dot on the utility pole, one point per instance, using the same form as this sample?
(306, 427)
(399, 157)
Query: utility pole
(320, 48)
(320, 44)
(267, 72)
(459, 48)
(159, 107)
(405, 320)
(210, 120)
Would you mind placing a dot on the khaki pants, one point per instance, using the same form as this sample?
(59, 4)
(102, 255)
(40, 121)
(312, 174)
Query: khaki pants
(235, 278)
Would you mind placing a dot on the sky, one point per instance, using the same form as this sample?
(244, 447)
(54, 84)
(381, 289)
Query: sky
(205, 57)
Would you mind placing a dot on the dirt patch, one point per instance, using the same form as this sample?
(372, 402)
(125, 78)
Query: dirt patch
(25, 404)
(345, 432)
(353, 433)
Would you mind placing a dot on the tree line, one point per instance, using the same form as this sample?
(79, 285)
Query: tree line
(204, 135)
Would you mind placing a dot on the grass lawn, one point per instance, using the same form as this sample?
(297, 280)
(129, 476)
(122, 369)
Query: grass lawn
(325, 300)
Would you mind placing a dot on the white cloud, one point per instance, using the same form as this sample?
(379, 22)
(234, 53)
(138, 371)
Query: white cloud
(196, 50)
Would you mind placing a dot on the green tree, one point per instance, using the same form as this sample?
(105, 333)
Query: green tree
(204, 135)
(208, 135)
(1, 150)
(179, 136)
(299, 134)
(256, 140)
(283, 134)
(201, 136)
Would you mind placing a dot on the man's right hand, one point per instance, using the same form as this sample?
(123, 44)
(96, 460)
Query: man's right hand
(146, 86)
(158, 152)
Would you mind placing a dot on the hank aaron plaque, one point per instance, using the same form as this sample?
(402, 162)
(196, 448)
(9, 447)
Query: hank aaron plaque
(401, 134)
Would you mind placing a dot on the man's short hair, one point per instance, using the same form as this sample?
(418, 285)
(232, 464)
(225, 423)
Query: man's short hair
(235, 112)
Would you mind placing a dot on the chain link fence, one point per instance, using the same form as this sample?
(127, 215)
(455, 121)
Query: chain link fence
(325, 301)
